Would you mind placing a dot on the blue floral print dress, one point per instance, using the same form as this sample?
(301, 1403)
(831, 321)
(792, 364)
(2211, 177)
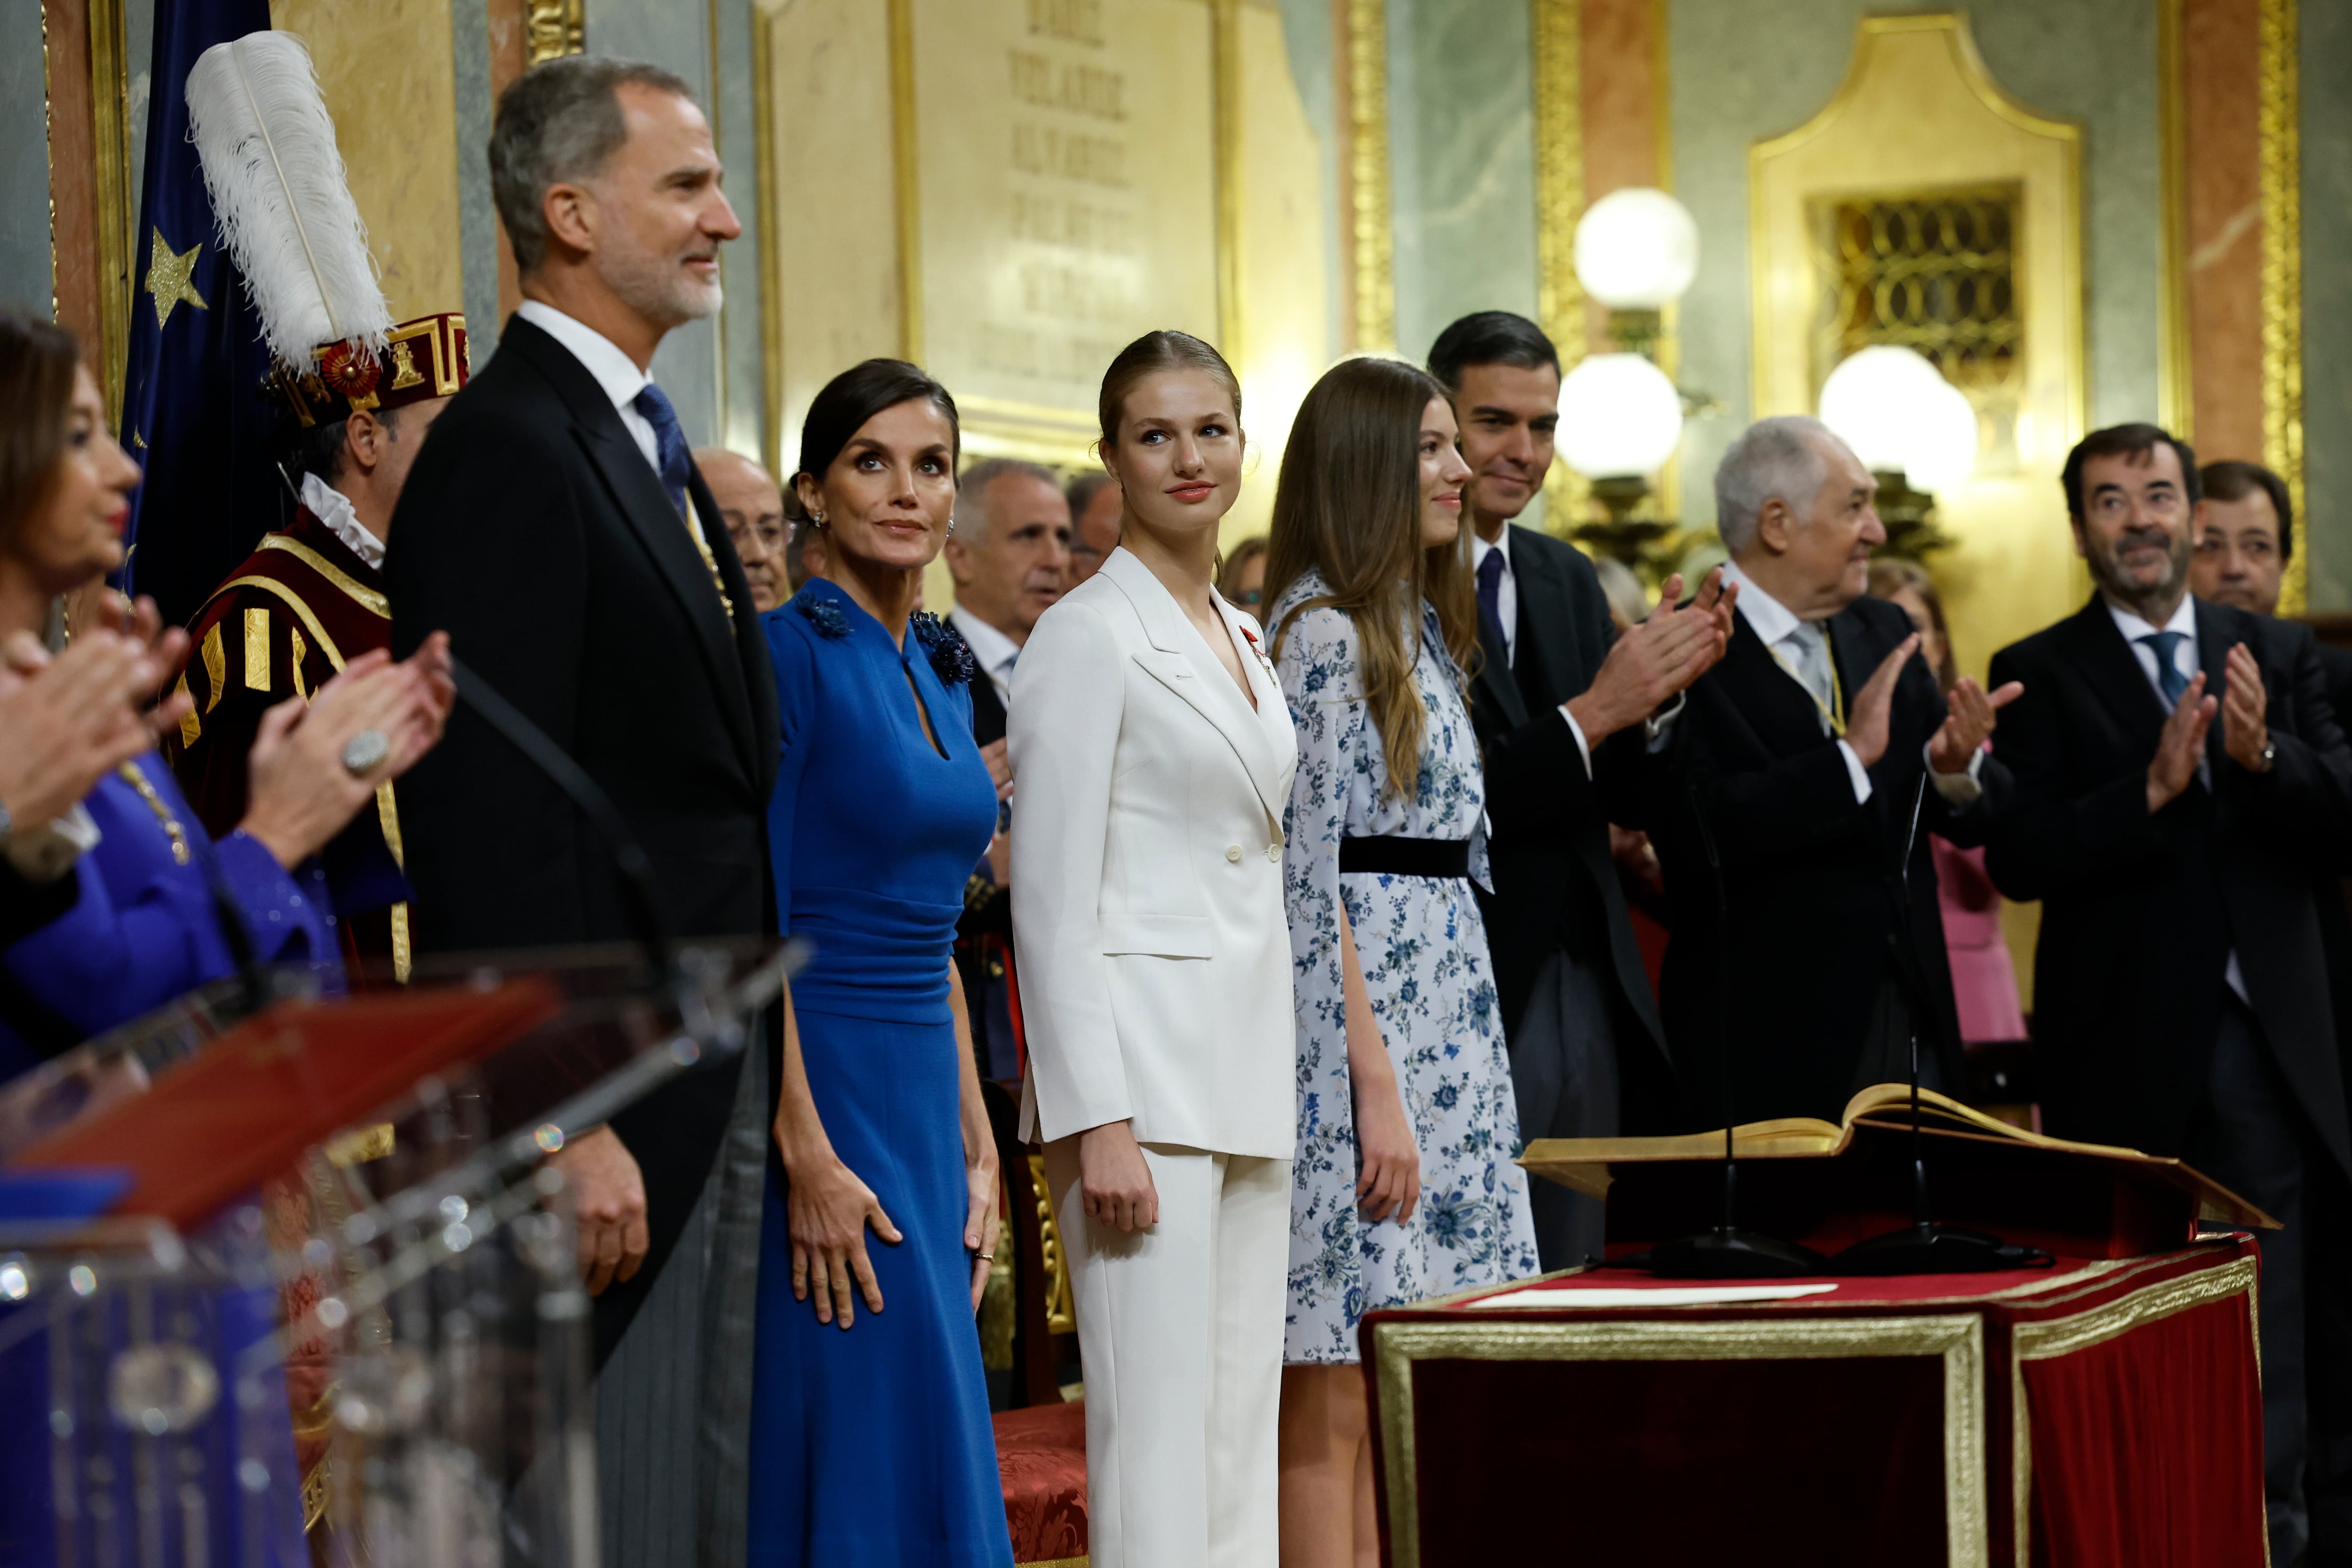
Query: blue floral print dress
(1423, 950)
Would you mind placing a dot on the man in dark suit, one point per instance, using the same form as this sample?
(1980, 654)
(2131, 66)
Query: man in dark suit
(1010, 557)
(1790, 800)
(2182, 1001)
(1586, 1051)
(556, 527)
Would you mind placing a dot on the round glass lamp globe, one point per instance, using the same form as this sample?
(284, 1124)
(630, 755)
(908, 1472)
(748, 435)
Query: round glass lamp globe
(1943, 446)
(1619, 418)
(1636, 249)
(1876, 399)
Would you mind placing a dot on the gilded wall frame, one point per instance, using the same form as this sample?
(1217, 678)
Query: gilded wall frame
(1956, 1339)
(2279, 119)
(1919, 112)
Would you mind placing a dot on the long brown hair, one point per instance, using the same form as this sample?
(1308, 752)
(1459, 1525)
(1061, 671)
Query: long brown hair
(37, 381)
(1347, 506)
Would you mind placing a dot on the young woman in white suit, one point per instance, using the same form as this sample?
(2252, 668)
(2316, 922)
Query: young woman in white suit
(1153, 754)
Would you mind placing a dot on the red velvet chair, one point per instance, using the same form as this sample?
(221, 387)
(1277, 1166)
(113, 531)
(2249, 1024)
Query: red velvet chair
(1041, 1448)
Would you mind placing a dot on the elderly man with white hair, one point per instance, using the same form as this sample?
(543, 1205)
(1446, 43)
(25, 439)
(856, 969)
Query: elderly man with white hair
(1790, 800)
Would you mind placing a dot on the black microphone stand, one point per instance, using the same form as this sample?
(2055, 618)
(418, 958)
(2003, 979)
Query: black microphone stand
(1729, 1251)
(639, 902)
(1924, 1247)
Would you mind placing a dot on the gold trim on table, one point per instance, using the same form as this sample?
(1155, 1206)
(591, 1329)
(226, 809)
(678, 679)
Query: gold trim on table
(2052, 1338)
(1956, 1338)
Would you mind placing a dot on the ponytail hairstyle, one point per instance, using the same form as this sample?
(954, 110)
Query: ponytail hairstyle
(856, 395)
(1347, 506)
(1155, 353)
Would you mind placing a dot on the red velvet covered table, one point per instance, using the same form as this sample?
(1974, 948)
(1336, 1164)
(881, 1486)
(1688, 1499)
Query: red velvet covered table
(2099, 1412)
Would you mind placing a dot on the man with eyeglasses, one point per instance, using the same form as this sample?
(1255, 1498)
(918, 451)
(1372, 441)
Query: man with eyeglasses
(2179, 774)
(753, 507)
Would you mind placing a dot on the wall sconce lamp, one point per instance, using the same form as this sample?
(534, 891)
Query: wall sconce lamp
(1620, 415)
(1914, 431)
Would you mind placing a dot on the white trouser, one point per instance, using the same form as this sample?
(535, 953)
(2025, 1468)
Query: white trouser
(1181, 1328)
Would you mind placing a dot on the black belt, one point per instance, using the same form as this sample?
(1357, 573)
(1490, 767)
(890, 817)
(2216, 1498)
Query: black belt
(1406, 856)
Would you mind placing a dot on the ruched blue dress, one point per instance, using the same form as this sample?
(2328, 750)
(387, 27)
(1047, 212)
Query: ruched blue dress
(873, 1446)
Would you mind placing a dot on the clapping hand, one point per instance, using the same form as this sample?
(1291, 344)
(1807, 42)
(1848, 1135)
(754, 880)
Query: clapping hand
(2182, 742)
(1867, 720)
(2246, 710)
(1662, 656)
(1969, 724)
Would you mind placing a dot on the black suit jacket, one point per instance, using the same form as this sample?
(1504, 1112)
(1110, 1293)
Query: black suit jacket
(2140, 913)
(1556, 886)
(1818, 915)
(533, 531)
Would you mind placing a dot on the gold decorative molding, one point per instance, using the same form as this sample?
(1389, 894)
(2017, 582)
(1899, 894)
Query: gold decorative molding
(116, 203)
(1061, 1307)
(904, 138)
(1370, 211)
(1558, 49)
(555, 28)
(1559, 172)
(2281, 138)
(772, 272)
(2057, 1337)
(2176, 398)
(1956, 1339)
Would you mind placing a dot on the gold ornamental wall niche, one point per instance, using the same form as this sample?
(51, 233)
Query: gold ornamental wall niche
(1922, 178)
(1934, 272)
(1060, 177)
(555, 28)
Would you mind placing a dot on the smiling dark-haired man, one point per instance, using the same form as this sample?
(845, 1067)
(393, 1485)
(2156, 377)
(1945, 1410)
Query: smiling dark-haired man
(1588, 1053)
(2181, 1000)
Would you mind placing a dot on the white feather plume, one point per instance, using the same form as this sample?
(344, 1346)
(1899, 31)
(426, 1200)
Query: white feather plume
(280, 190)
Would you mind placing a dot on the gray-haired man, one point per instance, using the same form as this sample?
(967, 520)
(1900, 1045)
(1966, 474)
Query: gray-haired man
(556, 526)
(1010, 556)
(1803, 756)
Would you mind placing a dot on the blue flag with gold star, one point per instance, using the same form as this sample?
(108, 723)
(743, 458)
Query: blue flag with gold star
(192, 412)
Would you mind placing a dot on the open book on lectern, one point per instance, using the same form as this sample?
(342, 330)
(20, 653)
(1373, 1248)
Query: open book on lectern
(1881, 1110)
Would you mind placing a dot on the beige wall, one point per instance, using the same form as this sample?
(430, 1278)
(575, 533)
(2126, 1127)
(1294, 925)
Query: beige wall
(386, 71)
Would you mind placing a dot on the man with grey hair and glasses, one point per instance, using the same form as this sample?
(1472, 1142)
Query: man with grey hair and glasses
(557, 527)
(1790, 800)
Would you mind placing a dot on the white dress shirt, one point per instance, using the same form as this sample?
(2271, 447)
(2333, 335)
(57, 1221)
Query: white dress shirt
(1506, 611)
(1786, 637)
(614, 371)
(990, 650)
(333, 508)
(2187, 660)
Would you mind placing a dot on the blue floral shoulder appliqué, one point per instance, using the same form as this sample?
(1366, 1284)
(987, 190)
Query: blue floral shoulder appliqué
(950, 655)
(825, 615)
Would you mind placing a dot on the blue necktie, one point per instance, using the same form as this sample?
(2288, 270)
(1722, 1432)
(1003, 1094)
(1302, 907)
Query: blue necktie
(1490, 596)
(2169, 679)
(669, 443)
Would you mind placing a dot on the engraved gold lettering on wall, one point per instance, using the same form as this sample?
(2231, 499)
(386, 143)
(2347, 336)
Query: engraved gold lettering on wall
(1067, 190)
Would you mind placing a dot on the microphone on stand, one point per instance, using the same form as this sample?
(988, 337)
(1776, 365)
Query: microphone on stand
(1923, 1247)
(1729, 1251)
(639, 903)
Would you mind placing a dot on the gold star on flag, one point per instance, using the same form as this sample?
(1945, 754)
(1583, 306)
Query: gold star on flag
(168, 277)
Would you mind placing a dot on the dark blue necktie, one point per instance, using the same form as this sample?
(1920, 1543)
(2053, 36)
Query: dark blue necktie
(2169, 679)
(669, 443)
(1490, 596)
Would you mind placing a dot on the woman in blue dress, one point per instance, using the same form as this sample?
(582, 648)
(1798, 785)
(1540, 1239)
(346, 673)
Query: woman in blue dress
(870, 1434)
(144, 926)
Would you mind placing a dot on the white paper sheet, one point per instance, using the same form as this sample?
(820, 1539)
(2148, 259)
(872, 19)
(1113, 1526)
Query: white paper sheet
(1652, 1296)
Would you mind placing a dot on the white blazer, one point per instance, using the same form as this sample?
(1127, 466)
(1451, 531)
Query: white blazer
(1149, 923)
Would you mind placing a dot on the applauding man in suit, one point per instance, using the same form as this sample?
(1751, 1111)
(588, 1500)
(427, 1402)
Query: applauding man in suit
(2180, 773)
(556, 526)
(1588, 1055)
(1790, 806)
